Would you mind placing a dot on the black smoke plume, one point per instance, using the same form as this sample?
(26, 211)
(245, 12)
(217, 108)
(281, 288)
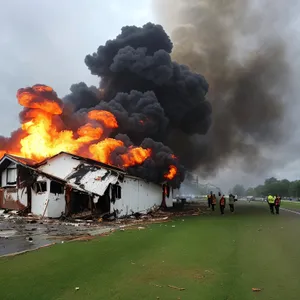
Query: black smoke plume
(240, 46)
(150, 95)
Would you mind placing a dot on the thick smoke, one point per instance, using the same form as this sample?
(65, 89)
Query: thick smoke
(240, 48)
(150, 95)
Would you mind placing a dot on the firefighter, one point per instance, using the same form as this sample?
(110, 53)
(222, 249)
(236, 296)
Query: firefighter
(213, 202)
(222, 203)
(277, 204)
(209, 199)
(271, 201)
(231, 203)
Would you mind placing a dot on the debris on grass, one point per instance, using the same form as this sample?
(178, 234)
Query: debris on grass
(77, 288)
(176, 288)
(256, 290)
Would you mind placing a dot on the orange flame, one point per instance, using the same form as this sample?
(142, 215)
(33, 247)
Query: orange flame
(43, 133)
(33, 98)
(102, 150)
(172, 172)
(107, 118)
(135, 156)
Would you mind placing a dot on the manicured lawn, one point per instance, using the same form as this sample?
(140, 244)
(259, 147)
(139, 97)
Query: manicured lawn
(212, 257)
(290, 205)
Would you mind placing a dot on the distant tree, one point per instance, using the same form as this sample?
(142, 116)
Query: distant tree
(273, 186)
(250, 192)
(239, 190)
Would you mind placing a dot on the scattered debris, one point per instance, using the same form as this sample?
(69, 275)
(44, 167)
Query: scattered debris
(139, 228)
(77, 288)
(256, 290)
(176, 288)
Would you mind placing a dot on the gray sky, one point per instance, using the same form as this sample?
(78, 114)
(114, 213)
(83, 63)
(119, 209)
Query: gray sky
(47, 41)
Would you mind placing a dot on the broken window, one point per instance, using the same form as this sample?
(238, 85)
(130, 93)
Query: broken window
(56, 188)
(40, 187)
(11, 176)
(115, 192)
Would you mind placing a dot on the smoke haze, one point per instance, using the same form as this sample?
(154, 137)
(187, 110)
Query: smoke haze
(240, 46)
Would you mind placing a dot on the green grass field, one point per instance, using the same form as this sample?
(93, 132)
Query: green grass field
(290, 205)
(212, 257)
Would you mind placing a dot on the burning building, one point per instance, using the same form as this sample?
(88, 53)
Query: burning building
(67, 184)
(144, 98)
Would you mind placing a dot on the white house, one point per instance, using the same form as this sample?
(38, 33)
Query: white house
(24, 188)
(111, 189)
(70, 184)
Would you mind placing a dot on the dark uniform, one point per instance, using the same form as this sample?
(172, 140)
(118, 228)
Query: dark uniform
(231, 203)
(209, 199)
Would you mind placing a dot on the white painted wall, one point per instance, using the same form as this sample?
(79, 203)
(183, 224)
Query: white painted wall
(60, 166)
(39, 200)
(137, 196)
(56, 204)
(22, 196)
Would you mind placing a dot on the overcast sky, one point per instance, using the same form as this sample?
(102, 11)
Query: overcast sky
(47, 41)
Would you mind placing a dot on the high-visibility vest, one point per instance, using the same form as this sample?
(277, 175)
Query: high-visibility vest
(271, 199)
(222, 201)
(214, 200)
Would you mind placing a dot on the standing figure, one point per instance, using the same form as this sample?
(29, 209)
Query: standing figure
(222, 203)
(213, 202)
(209, 199)
(271, 202)
(231, 203)
(277, 204)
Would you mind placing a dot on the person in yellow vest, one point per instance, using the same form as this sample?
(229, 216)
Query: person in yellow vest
(271, 202)
(277, 204)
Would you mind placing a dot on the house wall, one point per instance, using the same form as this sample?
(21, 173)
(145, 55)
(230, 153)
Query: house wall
(10, 196)
(137, 196)
(41, 206)
(4, 175)
(60, 166)
(39, 200)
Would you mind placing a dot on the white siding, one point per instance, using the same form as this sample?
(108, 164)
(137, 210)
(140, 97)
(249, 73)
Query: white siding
(137, 196)
(60, 166)
(22, 196)
(55, 206)
(39, 200)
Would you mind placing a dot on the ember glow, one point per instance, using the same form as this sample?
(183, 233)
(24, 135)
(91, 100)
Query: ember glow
(172, 172)
(44, 134)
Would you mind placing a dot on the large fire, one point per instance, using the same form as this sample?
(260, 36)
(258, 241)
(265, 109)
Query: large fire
(44, 135)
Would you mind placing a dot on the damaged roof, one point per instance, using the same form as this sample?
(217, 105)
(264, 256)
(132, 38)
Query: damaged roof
(88, 160)
(19, 159)
(92, 179)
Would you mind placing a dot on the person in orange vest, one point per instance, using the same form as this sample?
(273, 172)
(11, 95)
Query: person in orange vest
(222, 203)
(277, 204)
(213, 202)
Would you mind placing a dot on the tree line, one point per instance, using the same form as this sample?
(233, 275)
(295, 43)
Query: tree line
(284, 188)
